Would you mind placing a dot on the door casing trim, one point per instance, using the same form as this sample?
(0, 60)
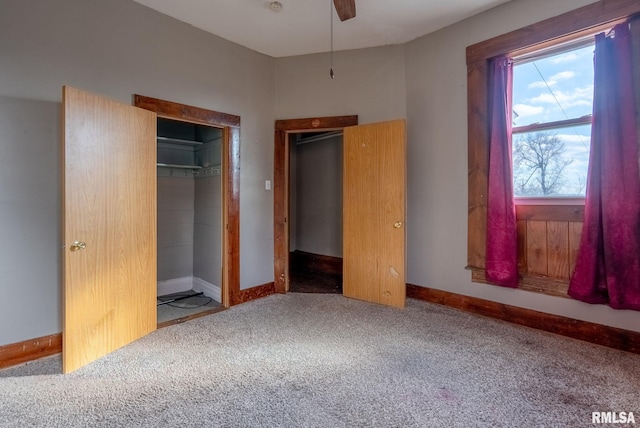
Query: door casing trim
(283, 128)
(230, 125)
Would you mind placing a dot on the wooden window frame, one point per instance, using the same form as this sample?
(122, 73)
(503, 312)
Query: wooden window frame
(569, 26)
(584, 120)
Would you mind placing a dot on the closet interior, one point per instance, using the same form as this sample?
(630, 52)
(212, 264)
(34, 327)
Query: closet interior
(315, 212)
(189, 218)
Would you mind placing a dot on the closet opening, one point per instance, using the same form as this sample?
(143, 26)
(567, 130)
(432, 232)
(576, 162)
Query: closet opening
(315, 212)
(189, 229)
(198, 223)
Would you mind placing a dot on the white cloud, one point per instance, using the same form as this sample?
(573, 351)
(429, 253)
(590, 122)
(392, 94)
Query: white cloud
(571, 56)
(540, 84)
(553, 80)
(578, 97)
(575, 138)
(524, 110)
(563, 75)
(578, 153)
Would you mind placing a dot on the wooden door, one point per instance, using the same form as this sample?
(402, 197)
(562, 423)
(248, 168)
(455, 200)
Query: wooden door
(109, 209)
(374, 184)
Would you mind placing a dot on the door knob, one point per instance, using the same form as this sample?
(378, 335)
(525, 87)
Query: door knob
(397, 224)
(77, 246)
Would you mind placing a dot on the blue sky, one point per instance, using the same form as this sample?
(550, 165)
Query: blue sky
(557, 88)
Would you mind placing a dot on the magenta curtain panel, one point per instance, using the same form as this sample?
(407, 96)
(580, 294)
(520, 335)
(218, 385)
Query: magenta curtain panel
(608, 264)
(501, 262)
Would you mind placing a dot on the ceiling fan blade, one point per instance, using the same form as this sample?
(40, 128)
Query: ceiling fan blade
(346, 9)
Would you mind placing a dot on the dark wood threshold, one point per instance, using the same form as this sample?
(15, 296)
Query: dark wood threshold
(617, 338)
(191, 317)
(256, 292)
(314, 273)
(315, 262)
(29, 350)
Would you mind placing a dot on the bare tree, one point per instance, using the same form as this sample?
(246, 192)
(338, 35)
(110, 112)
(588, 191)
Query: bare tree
(582, 184)
(538, 163)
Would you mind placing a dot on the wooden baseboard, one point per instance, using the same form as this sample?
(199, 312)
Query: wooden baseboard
(315, 262)
(255, 292)
(625, 340)
(29, 350)
(599, 334)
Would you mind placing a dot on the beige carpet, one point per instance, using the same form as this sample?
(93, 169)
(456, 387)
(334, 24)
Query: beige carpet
(306, 360)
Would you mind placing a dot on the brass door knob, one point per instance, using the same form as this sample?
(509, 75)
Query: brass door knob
(77, 246)
(397, 224)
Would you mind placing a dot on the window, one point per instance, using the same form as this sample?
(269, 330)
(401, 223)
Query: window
(547, 228)
(552, 104)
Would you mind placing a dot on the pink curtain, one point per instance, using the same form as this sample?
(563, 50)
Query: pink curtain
(501, 262)
(608, 264)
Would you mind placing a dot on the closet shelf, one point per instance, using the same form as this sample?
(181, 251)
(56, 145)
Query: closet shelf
(168, 165)
(179, 141)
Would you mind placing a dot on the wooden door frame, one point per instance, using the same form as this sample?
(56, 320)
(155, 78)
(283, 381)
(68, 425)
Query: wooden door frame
(281, 165)
(230, 125)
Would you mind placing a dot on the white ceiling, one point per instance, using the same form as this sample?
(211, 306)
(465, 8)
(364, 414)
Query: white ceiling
(303, 26)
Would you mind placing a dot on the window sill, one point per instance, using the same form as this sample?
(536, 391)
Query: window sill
(528, 282)
(549, 200)
(554, 212)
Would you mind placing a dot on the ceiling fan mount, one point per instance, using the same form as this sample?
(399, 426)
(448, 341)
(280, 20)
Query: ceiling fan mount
(346, 9)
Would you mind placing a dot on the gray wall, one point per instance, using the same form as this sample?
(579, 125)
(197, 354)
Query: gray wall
(30, 253)
(318, 201)
(425, 80)
(115, 48)
(368, 82)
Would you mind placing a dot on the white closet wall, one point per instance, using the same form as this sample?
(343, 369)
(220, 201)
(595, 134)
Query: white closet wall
(176, 196)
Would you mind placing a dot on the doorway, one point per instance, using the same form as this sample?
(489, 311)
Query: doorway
(374, 206)
(315, 212)
(198, 157)
(285, 130)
